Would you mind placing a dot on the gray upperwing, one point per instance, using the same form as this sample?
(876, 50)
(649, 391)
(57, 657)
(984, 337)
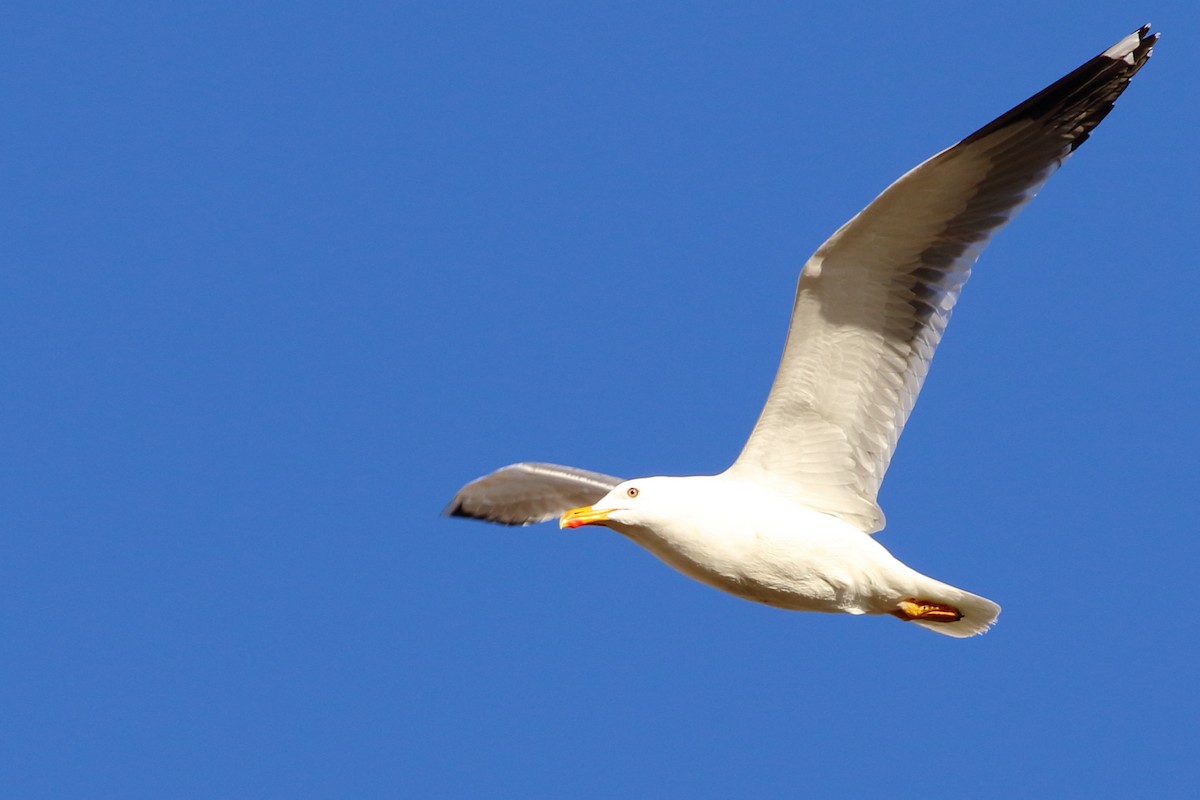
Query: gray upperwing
(525, 493)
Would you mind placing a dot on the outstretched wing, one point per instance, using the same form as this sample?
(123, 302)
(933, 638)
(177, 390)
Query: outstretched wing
(522, 494)
(872, 302)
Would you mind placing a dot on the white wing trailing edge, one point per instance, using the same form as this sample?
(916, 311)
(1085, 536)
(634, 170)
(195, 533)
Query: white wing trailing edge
(873, 301)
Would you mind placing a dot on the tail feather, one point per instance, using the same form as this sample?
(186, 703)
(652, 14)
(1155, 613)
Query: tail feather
(978, 613)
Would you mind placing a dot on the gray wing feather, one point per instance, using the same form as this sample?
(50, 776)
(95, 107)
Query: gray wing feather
(525, 493)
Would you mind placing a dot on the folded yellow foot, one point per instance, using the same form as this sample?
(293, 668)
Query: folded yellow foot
(926, 611)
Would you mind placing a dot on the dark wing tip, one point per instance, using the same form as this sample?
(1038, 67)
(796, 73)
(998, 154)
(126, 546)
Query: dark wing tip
(1075, 104)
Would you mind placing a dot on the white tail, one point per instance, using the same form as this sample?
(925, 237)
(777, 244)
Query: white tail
(978, 613)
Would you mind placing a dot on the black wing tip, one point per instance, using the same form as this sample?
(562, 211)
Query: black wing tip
(1076, 103)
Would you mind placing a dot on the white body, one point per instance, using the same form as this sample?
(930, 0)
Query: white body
(743, 538)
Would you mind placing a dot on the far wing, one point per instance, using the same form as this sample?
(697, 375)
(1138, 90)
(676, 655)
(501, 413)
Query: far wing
(872, 302)
(522, 494)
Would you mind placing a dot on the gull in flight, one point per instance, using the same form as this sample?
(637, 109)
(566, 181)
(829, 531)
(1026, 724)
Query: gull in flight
(789, 523)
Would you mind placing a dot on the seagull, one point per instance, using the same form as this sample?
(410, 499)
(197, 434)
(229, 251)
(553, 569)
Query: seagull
(789, 524)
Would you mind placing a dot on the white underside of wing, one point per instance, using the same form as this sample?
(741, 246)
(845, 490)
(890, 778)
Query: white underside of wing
(873, 301)
(860, 341)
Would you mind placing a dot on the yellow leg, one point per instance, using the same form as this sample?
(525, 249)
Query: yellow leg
(926, 611)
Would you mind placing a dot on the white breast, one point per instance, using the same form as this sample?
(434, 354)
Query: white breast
(746, 540)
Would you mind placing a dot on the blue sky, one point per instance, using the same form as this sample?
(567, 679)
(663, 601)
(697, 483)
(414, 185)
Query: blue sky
(278, 278)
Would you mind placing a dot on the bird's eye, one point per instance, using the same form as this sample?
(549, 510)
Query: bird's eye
(632, 491)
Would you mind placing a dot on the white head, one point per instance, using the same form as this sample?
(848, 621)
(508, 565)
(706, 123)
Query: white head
(642, 504)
